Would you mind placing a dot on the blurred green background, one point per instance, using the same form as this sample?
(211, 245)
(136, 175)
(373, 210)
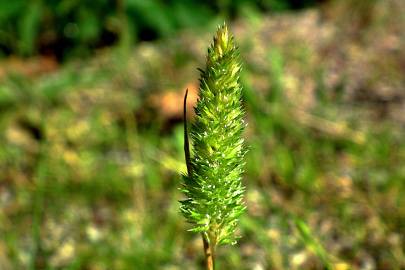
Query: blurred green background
(91, 133)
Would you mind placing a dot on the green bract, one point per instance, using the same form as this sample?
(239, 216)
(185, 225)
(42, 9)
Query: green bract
(213, 184)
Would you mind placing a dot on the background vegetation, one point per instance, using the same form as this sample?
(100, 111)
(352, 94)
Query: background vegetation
(91, 148)
(76, 27)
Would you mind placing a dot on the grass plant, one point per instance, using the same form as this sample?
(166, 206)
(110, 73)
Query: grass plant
(213, 182)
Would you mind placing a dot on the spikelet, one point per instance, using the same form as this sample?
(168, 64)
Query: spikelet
(213, 184)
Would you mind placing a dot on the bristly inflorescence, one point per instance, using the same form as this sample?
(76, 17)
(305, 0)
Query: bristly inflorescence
(213, 184)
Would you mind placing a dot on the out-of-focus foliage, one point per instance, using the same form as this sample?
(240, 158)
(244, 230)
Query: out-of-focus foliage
(74, 27)
(91, 151)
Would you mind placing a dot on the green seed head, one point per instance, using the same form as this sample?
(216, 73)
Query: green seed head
(213, 185)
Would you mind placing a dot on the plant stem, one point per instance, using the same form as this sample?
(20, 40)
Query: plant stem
(209, 251)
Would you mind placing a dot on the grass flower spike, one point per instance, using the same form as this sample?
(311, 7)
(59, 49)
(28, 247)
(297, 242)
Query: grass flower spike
(213, 184)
